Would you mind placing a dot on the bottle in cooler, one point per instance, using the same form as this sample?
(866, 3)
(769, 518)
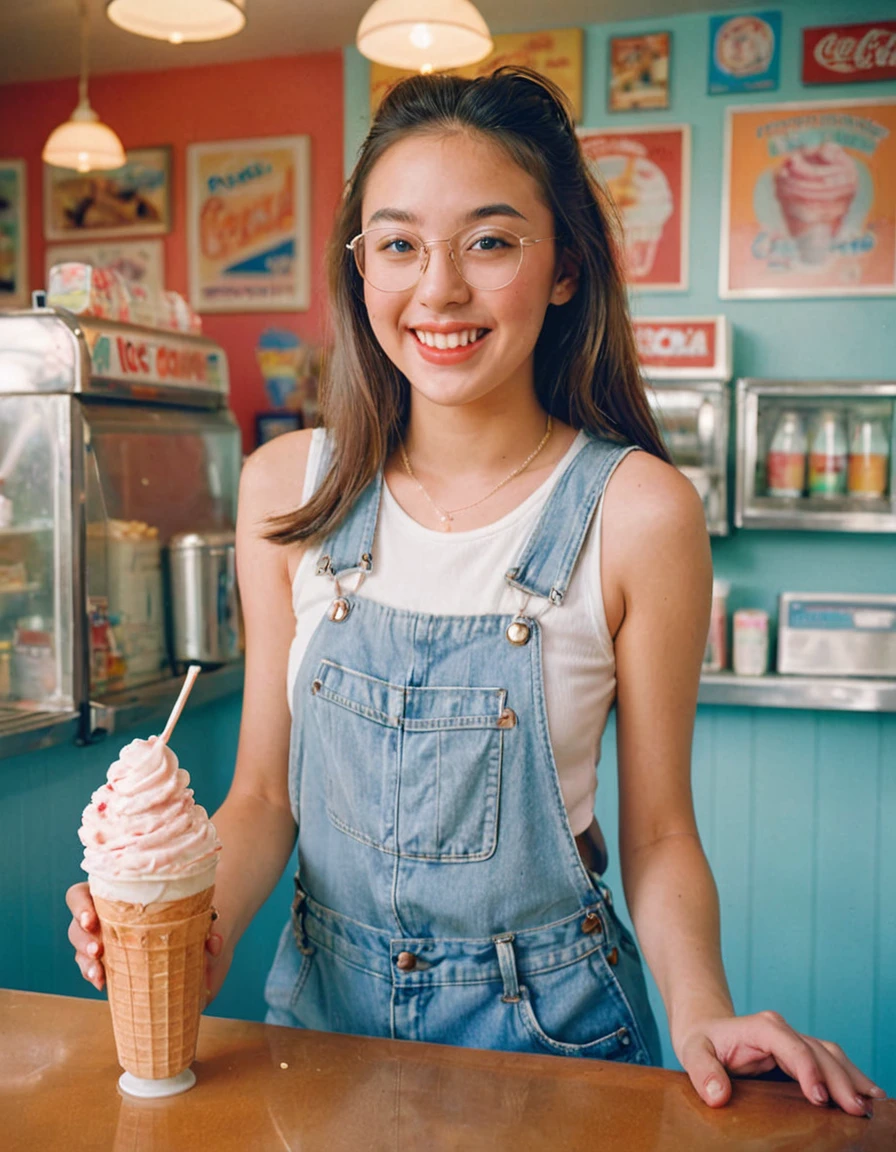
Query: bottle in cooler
(827, 455)
(786, 461)
(868, 457)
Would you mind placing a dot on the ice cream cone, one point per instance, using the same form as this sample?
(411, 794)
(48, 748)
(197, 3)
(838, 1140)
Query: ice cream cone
(154, 957)
(815, 188)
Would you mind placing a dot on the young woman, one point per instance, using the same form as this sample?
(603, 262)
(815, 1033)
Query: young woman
(485, 550)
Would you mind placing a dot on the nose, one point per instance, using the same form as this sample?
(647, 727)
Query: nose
(440, 281)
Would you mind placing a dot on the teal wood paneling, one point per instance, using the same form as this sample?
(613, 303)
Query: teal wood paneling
(885, 908)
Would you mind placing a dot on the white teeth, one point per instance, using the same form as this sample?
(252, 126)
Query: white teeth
(447, 339)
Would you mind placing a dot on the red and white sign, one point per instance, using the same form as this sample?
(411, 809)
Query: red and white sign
(849, 53)
(130, 356)
(677, 348)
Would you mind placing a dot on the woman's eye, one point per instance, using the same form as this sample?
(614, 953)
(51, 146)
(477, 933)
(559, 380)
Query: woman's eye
(399, 245)
(490, 243)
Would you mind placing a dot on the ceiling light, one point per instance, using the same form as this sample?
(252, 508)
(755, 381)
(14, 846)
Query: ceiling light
(83, 142)
(179, 20)
(423, 35)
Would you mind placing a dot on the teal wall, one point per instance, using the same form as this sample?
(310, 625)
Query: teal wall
(797, 809)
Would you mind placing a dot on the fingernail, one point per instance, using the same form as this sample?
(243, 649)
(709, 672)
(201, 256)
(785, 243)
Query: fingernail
(714, 1089)
(84, 919)
(878, 1093)
(865, 1105)
(213, 943)
(820, 1094)
(93, 948)
(93, 971)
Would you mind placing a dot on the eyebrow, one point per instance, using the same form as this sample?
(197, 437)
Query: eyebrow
(401, 216)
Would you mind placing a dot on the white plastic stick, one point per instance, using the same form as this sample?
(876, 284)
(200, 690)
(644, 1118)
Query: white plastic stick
(192, 672)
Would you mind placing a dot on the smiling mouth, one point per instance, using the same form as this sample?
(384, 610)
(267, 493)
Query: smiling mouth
(445, 340)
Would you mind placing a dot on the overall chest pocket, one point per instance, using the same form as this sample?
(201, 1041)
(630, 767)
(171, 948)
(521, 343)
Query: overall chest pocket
(411, 771)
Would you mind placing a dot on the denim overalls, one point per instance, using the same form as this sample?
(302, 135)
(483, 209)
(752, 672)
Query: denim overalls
(440, 895)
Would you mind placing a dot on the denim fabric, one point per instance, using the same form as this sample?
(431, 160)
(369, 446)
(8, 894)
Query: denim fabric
(432, 824)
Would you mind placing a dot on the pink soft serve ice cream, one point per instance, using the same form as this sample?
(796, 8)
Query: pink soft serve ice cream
(144, 837)
(815, 188)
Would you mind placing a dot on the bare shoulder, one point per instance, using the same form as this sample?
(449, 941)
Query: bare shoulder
(649, 502)
(273, 477)
(654, 543)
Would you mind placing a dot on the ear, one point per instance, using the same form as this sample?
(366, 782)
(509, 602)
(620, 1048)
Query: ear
(566, 281)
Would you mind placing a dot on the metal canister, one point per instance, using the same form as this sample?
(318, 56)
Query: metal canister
(205, 625)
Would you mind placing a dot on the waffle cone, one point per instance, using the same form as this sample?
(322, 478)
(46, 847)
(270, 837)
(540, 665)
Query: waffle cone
(154, 956)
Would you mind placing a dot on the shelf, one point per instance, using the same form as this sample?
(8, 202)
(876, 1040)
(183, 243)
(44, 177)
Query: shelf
(22, 732)
(826, 693)
(150, 702)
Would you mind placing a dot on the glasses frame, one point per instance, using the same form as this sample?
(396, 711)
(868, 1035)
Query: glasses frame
(425, 249)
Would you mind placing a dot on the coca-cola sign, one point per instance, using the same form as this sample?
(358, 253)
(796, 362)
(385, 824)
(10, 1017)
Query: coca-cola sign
(849, 53)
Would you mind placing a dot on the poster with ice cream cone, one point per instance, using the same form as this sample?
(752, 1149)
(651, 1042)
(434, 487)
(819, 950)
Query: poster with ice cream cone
(809, 200)
(646, 171)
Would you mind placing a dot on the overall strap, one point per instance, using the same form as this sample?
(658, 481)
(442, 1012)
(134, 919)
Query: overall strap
(350, 547)
(549, 555)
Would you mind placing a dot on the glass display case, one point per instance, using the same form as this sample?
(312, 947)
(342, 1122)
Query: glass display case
(816, 455)
(113, 439)
(687, 366)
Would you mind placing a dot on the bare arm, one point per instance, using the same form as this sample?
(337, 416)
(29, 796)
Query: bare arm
(657, 578)
(254, 823)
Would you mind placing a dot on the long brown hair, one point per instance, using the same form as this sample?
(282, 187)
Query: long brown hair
(585, 359)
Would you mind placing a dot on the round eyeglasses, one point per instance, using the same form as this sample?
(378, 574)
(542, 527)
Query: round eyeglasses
(393, 260)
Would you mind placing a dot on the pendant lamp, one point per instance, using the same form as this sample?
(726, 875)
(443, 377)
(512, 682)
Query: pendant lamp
(83, 142)
(179, 20)
(423, 35)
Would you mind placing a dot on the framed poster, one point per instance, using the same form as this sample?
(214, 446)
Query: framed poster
(137, 261)
(646, 171)
(13, 235)
(249, 225)
(744, 53)
(639, 72)
(555, 54)
(849, 53)
(809, 200)
(131, 201)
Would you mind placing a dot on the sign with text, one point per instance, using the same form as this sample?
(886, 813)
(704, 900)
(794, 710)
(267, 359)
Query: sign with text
(849, 53)
(684, 347)
(248, 225)
(809, 200)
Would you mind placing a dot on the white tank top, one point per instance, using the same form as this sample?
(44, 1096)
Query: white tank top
(462, 574)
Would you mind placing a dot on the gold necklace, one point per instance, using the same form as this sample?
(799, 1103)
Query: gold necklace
(445, 515)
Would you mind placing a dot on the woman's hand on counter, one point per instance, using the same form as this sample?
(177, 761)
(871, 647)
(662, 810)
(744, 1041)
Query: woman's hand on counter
(752, 1045)
(85, 935)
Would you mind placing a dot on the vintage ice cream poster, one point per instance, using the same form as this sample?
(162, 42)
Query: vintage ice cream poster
(13, 235)
(809, 200)
(249, 225)
(646, 170)
(556, 54)
(744, 53)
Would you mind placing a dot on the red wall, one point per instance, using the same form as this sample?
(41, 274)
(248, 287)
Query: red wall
(290, 95)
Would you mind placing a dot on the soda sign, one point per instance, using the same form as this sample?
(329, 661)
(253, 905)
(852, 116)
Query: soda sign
(696, 348)
(849, 53)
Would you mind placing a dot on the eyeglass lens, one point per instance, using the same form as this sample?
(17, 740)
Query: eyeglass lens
(393, 260)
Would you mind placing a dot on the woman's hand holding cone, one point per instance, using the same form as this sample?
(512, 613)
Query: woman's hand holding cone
(85, 935)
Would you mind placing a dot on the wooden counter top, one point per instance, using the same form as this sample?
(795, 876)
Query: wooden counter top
(260, 1087)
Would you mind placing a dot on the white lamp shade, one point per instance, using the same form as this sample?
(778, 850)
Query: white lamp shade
(423, 35)
(179, 20)
(83, 143)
